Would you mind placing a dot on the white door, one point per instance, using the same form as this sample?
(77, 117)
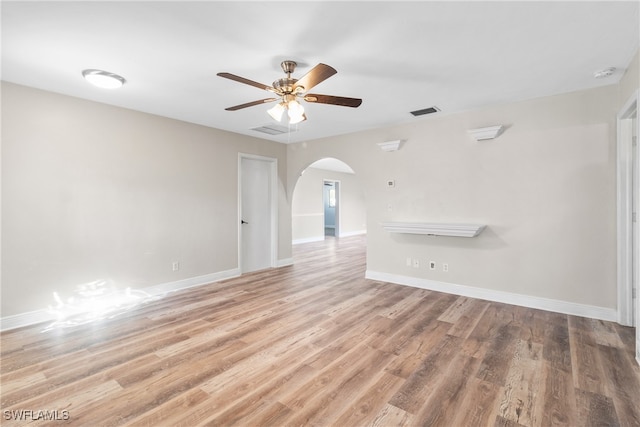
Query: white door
(257, 215)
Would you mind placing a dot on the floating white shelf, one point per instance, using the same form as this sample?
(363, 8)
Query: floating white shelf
(434, 229)
(483, 134)
(390, 145)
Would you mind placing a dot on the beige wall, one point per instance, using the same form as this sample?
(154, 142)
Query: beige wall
(92, 191)
(546, 189)
(307, 209)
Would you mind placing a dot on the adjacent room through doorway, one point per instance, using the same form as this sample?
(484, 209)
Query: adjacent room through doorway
(328, 201)
(331, 208)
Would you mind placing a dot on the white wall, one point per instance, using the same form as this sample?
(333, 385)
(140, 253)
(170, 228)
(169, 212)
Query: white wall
(92, 191)
(308, 210)
(630, 82)
(546, 188)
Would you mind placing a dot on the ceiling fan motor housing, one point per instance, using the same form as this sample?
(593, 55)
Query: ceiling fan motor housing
(285, 85)
(288, 66)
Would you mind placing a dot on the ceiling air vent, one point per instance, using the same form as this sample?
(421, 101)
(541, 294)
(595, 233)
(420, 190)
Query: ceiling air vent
(424, 111)
(274, 129)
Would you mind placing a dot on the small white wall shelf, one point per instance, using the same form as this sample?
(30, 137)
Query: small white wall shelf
(390, 145)
(483, 134)
(434, 229)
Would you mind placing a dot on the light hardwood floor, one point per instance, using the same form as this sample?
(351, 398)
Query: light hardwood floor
(317, 344)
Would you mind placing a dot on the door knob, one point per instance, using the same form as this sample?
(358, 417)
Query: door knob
(242, 221)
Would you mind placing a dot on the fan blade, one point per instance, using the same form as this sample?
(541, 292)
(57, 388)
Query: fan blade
(246, 81)
(251, 104)
(334, 100)
(317, 74)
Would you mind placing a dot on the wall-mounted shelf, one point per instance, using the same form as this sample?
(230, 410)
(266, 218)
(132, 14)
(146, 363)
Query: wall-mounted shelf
(482, 134)
(390, 145)
(434, 229)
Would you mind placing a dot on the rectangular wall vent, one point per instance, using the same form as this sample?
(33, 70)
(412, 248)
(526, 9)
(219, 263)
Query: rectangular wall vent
(274, 129)
(424, 111)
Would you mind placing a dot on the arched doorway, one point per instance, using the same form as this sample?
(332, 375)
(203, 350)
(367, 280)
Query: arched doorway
(328, 201)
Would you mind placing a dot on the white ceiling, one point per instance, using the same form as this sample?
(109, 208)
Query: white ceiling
(396, 56)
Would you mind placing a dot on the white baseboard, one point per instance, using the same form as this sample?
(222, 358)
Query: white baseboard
(191, 282)
(321, 238)
(25, 319)
(556, 306)
(40, 316)
(353, 233)
(564, 307)
(285, 262)
(308, 240)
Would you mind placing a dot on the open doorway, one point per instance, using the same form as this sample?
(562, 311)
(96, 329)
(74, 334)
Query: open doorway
(327, 200)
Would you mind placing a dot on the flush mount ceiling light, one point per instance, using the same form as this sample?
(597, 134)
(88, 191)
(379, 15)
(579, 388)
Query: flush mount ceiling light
(103, 79)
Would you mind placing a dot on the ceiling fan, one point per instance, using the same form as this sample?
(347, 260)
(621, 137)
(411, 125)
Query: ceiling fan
(289, 90)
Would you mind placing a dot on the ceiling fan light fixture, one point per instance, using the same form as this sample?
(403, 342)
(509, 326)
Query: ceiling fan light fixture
(297, 119)
(295, 108)
(290, 89)
(295, 112)
(277, 111)
(103, 79)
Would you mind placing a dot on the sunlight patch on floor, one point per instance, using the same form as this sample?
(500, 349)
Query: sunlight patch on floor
(95, 301)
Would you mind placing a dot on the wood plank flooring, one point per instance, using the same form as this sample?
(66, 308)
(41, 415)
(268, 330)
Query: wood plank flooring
(317, 344)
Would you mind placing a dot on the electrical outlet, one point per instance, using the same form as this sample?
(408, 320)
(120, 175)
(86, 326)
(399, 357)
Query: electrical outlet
(432, 265)
(175, 266)
(409, 262)
(445, 267)
(416, 263)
